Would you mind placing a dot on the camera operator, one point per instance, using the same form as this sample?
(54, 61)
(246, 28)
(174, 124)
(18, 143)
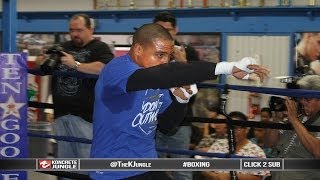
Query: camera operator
(299, 143)
(73, 97)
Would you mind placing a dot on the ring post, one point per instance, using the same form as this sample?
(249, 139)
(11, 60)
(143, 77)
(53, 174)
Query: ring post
(13, 111)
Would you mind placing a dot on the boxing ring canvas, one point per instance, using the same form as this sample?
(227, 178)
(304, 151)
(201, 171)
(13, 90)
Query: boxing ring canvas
(13, 110)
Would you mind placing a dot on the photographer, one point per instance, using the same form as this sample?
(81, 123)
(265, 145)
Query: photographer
(299, 143)
(73, 97)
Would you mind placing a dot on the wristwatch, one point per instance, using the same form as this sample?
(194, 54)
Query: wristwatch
(77, 65)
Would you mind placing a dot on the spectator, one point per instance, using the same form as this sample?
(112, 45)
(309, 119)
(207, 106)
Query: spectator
(259, 139)
(259, 134)
(220, 132)
(266, 115)
(243, 147)
(208, 128)
(299, 143)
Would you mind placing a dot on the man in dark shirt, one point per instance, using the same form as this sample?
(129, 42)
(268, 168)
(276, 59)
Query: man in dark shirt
(73, 97)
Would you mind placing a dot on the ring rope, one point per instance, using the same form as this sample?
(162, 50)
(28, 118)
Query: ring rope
(41, 105)
(175, 151)
(255, 124)
(61, 138)
(201, 153)
(266, 90)
(63, 73)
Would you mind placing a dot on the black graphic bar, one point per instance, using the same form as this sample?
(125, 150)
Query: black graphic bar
(18, 164)
(172, 164)
(301, 164)
(160, 164)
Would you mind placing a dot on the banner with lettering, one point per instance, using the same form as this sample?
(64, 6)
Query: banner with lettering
(13, 110)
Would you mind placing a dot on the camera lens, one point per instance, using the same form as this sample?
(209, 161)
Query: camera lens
(277, 104)
(54, 59)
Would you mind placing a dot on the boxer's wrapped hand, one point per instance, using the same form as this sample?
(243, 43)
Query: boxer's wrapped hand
(243, 69)
(183, 94)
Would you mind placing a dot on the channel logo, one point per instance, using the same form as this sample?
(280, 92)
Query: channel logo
(58, 164)
(44, 164)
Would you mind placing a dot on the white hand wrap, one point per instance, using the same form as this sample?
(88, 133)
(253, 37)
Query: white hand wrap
(194, 90)
(226, 67)
(244, 62)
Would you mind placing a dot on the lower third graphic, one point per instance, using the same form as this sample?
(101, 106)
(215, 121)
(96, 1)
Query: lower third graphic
(60, 164)
(130, 164)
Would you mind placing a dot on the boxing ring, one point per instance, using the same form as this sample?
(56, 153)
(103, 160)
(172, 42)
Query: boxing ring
(20, 67)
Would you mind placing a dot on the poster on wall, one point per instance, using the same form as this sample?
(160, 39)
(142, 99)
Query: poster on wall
(306, 53)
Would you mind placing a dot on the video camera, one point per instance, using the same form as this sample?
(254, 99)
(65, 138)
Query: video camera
(279, 104)
(54, 59)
